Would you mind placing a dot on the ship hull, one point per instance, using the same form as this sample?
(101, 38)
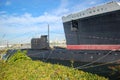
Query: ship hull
(99, 32)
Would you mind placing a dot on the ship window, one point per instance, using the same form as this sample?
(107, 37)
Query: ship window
(101, 8)
(93, 10)
(74, 25)
(97, 9)
(74, 16)
(90, 12)
(105, 8)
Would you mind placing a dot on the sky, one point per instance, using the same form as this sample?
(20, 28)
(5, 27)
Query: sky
(21, 20)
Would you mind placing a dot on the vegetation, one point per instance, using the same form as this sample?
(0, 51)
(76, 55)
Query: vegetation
(3, 51)
(115, 72)
(21, 67)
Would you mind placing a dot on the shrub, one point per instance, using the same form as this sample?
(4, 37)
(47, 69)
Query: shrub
(19, 55)
(21, 67)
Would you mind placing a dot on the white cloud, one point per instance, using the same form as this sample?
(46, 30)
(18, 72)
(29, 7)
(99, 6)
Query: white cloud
(82, 5)
(2, 12)
(66, 7)
(8, 3)
(92, 2)
(27, 18)
(17, 24)
(14, 24)
(62, 8)
(23, 9)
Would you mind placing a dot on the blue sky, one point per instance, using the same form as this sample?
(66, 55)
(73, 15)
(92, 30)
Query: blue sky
(21, 20)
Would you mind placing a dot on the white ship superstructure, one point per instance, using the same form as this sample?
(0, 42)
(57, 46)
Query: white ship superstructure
(108, 7)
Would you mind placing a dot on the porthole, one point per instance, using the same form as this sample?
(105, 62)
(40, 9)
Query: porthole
(98, 10)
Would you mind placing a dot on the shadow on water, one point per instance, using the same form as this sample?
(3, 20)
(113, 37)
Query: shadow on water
(99, 70)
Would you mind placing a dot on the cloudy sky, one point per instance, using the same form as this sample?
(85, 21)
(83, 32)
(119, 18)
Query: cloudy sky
(21, 20)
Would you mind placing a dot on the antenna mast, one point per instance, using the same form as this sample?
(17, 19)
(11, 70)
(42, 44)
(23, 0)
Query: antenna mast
(48, 36)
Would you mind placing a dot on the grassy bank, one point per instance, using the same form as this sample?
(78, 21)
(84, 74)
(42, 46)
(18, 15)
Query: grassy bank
(21, 67)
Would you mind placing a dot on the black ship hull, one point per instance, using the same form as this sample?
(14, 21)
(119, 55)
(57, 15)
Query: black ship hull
(98, 32)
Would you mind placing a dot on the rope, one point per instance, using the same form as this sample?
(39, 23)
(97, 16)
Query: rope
(50, 52)
(100, 64)
(97, 59)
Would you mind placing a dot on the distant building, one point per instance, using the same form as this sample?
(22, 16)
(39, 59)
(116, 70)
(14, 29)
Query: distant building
(58, 43)
(40, 43)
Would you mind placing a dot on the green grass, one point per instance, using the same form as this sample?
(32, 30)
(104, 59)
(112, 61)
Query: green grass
(21, 67)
